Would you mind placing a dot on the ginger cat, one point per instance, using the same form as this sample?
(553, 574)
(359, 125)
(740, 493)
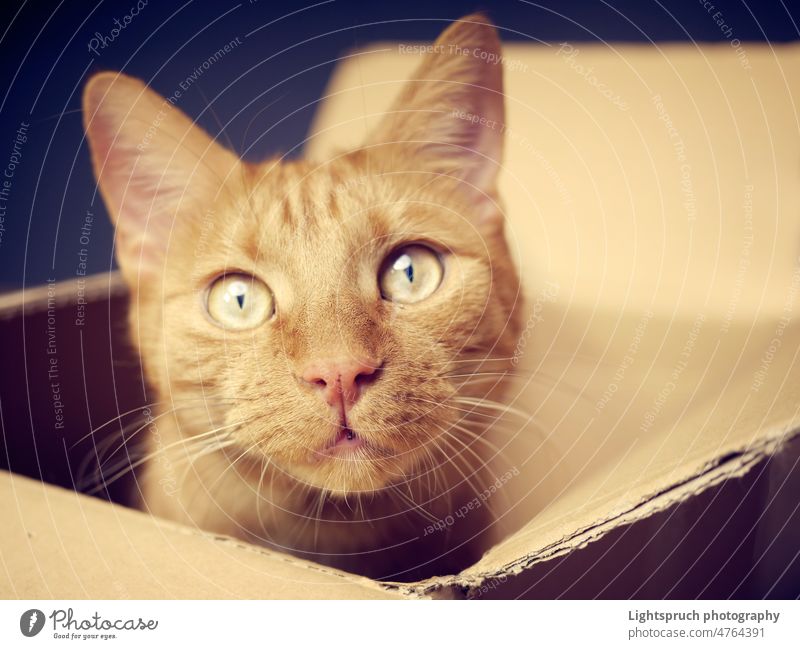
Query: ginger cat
(317, 334)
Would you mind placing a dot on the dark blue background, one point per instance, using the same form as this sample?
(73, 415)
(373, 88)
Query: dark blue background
(45, 61)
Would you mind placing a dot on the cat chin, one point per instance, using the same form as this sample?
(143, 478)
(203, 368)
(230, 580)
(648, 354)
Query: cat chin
(347, 473)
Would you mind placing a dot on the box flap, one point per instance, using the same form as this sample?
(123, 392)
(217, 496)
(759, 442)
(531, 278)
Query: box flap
(58, 544)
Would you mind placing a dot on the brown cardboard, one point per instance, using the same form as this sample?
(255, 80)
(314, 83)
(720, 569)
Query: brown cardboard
(60, 545)
(616, 256)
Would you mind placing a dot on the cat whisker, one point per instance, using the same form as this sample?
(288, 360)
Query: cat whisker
(477, 403)
(471, 411)
(318, 516)
(203, 451)
(146, 406)
(542, 378)
(120, 416)
(477, 374)
(233, 463)
(483, 465)
(480, 438)
(451, 459)
(413, 504)
(125, 441)
(488, 359)
(101, 456)
(100, 450)
(429, 460)
(127, 464)
(199, 438)
(319, 496)
(492, 405)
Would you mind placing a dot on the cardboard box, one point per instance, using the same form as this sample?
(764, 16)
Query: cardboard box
(652, 203)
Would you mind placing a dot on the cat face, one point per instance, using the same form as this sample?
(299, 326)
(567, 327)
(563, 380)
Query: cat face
(326, 314)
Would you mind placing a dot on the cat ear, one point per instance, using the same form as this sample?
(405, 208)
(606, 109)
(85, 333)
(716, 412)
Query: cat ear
(150, 162)
(449, 116)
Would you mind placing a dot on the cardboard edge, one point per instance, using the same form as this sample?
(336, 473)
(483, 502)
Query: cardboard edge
(732, 465)
(217, 539)
(239, 545)
(60, 294)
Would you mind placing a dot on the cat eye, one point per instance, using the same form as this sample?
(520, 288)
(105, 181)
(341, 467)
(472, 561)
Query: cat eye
(239, 301)
(410, 274)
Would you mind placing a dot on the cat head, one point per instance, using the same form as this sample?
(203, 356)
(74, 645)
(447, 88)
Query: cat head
(325, 315)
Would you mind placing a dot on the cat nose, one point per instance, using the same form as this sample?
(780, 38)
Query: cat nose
(341, 381)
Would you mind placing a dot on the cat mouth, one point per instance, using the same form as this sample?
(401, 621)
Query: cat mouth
(343, 444)
(348, 444)
(350, 461)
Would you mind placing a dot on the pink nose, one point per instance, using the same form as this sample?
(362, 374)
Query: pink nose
(341, 381)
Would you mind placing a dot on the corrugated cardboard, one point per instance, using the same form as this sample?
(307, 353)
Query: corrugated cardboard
(652, 203)
(60, 545)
